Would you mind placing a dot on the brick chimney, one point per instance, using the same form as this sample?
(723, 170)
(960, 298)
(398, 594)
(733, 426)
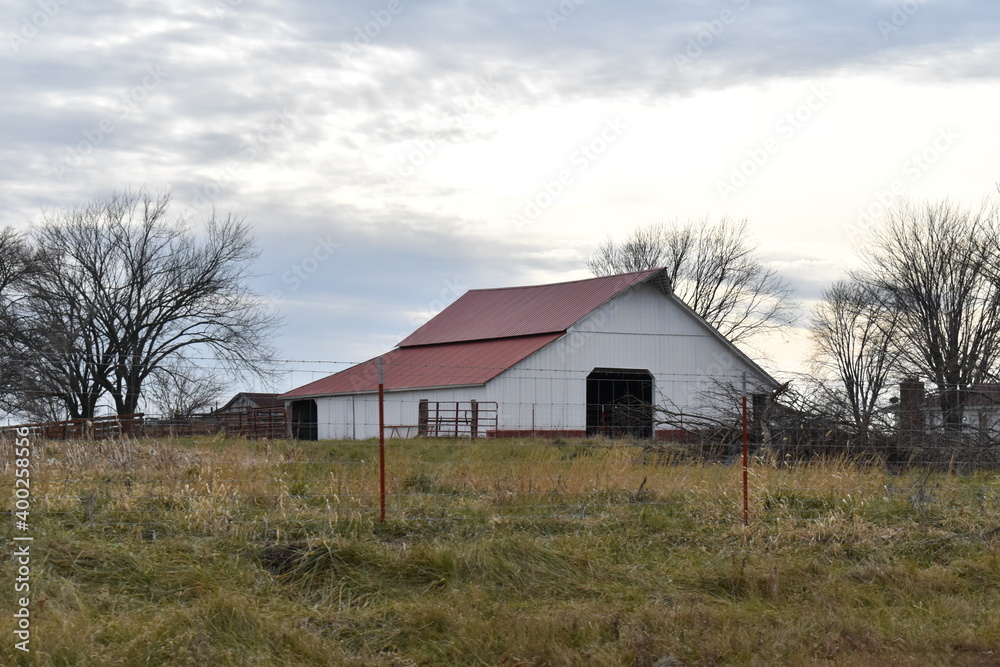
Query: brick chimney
(911, 408)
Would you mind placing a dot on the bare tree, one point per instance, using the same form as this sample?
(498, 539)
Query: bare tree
(124, 290)
(932, 264)
(180, 389)
(17, 262)
(854, 334)
(714, 268)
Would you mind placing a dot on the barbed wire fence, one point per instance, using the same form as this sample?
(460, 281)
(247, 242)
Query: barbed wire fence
(555, 454)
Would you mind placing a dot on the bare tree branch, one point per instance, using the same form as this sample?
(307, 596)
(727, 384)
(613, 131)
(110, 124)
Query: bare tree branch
(179, 389)
(714, 268)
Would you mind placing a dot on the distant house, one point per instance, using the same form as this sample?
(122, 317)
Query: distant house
(919, 411)
(248, 400)
(572, 359)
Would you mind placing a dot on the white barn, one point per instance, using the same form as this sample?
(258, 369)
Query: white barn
(574, 359)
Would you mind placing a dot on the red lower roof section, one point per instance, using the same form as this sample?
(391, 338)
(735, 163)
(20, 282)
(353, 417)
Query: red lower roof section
(447, 365)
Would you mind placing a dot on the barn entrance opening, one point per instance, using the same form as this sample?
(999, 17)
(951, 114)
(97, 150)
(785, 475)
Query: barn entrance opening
(305, 420)
(620, 403)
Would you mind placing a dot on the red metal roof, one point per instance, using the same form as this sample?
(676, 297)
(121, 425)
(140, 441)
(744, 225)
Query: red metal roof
(482, 334)
(524, 311)
(454, 364)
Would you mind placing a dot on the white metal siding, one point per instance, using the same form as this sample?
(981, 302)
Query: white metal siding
(355, 416)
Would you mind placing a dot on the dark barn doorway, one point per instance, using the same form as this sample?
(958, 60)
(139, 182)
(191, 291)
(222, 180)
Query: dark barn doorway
(620, 403)
(305, 420)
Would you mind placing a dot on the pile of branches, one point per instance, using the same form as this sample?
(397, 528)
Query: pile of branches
(783, 426)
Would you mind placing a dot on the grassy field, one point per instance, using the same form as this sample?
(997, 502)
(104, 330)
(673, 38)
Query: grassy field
(496, 553)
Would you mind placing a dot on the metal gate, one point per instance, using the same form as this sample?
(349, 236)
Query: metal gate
(456, 419)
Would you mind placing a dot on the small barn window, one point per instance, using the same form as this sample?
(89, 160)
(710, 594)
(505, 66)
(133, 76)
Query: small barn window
(305, 420)
(620, 403)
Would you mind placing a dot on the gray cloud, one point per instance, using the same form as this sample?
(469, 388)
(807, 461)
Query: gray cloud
(82, 92)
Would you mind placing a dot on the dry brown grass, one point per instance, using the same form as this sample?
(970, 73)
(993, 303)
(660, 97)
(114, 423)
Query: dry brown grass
(512, 552)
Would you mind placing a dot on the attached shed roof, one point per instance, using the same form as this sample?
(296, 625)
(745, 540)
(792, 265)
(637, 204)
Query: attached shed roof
(444, 365)
(525, 311)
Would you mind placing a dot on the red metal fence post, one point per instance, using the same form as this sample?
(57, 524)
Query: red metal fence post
(381, 441)
(746, 465)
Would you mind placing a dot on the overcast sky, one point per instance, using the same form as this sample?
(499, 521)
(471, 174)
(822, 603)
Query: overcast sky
(392, 154)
